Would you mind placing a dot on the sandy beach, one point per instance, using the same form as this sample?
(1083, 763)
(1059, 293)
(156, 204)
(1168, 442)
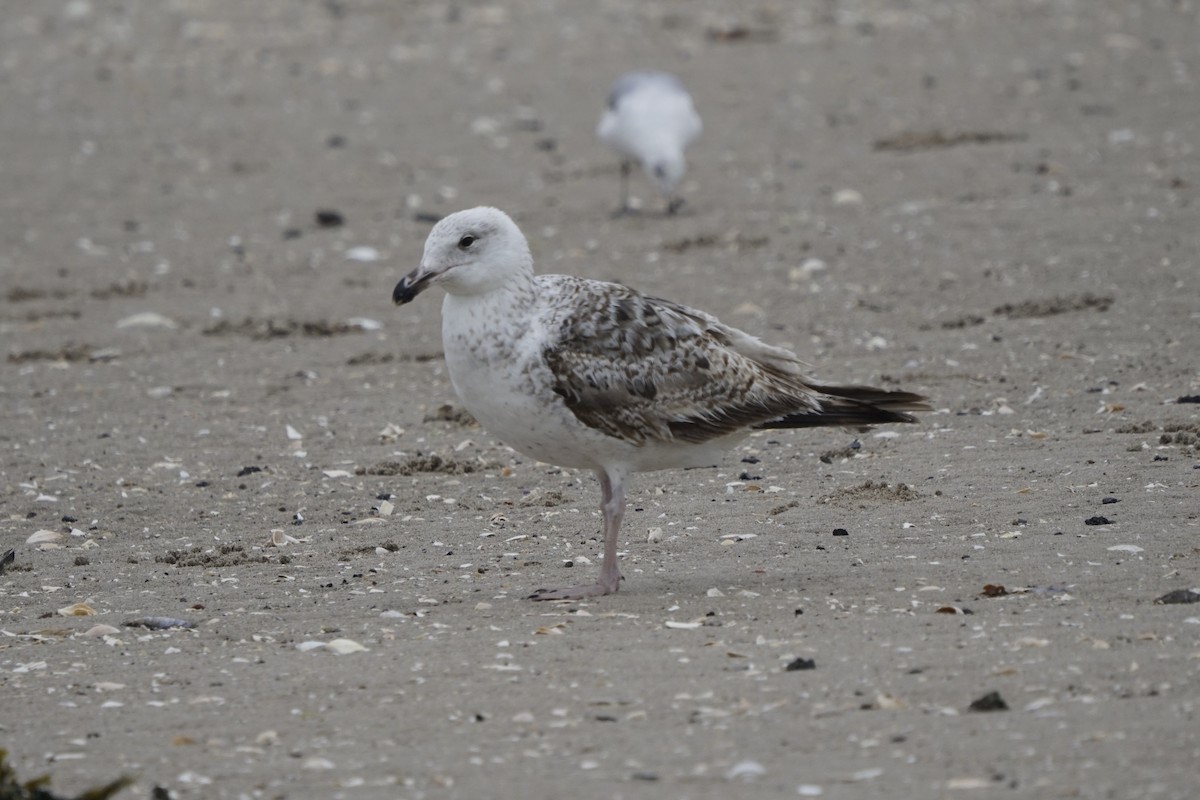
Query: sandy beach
(211, 413)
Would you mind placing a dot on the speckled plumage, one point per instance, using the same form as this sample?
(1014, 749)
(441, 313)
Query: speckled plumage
(588, 374)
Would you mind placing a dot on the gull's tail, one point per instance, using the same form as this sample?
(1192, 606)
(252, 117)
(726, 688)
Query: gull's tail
(854, 407)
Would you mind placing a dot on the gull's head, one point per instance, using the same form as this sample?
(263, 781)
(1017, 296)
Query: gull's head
(665, 170)
(469, 252)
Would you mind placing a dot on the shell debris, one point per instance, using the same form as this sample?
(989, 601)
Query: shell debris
(45, 540)
(77, 610)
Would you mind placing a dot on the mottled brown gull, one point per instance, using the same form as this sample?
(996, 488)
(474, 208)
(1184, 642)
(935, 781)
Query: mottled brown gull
(587, 374)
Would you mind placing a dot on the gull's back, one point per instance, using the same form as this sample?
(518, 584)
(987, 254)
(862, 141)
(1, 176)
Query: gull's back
(649, 112)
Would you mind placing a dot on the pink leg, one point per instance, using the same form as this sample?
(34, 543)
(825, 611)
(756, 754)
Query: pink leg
(612, 505)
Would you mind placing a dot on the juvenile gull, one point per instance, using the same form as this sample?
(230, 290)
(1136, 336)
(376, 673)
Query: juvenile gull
(594, 375)
(650, 119)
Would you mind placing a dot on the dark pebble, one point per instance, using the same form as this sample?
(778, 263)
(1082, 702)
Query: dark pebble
(799, 664)
(751, 460)
(1161, 458)
(335, 141)
(644, 776)
(1110, 500)
(1178, 596)
(992, 701)
(840, 532)
(328, 218)
(1189, 398)
(1097, 521)
(292, 233)
(746, 476)
(248, 471)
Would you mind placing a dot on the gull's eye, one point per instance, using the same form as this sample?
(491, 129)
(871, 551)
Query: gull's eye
(466, 241)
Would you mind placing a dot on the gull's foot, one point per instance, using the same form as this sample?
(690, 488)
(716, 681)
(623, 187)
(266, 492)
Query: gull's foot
(575, 592)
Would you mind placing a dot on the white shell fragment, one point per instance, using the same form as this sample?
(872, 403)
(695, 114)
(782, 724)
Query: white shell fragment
(390, 433)
(280, 538)
(745, 770)
(1126, 548)
(147, 319)
(362, 254)
(682, 626)
(43, 537)
(344, 646)
(101, 630)
(365, 323)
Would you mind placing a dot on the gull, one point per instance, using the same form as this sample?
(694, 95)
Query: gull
(595, 375)
(650, 119)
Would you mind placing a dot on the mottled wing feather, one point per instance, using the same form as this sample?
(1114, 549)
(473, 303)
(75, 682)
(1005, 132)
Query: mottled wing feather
(645, 369)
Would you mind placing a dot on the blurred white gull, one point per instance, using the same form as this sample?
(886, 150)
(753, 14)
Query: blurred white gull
(593, 375)
(650, 119)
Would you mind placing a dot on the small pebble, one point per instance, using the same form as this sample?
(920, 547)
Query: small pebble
(992, 701)
(328, 218)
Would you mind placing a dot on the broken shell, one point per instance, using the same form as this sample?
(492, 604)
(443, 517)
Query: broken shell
(279, 538)
(344, 646)
(390, 433)
(101, 630)
(361, 253)
(77, 610)
(147, 319)
(43, 536)
(745, 770)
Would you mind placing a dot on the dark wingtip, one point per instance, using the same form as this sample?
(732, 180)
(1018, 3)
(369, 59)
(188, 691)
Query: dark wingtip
(856, 407)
